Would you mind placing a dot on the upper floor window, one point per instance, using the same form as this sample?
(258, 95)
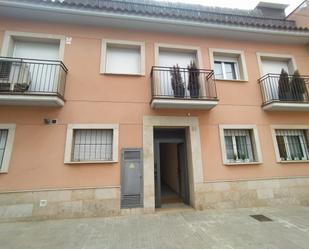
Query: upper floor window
(123, 57)
(228, 64)
(226, 70)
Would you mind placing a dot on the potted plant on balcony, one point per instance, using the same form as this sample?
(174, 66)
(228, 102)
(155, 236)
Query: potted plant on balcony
(298, 87)
(284, 88)
(194, 85)
(177, 82)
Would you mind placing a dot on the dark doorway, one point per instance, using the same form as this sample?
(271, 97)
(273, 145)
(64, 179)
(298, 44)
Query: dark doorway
(171, 170)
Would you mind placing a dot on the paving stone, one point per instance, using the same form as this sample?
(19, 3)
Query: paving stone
(211, 229)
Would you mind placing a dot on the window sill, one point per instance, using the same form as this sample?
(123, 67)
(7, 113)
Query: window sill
(124, 74)
(3, 172)
(226, 80)
(289, 162)
(240, 164)
(91, 162)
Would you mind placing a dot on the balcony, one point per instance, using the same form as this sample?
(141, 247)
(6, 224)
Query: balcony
(182, 88)
(31, 82)
(284, 94)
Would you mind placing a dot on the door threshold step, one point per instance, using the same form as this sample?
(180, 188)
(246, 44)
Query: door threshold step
(174, 207)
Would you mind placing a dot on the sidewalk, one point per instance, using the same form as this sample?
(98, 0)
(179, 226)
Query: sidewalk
(215, 229)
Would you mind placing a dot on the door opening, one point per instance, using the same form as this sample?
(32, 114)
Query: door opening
(171, 171)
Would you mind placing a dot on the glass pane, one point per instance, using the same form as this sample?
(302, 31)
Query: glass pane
(242, 147)
(229, 148)
(218, 70)
(295, 148)
(230, 70)
(281, 147)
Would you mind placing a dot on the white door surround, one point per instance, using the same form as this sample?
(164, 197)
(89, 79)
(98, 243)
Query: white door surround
(195, 166)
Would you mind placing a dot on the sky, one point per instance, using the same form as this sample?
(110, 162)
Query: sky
(240, 4)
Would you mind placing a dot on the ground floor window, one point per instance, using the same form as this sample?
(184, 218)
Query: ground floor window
(292, 144)
(240, 144)
(7, 132)
(3, 142)
(92, 143)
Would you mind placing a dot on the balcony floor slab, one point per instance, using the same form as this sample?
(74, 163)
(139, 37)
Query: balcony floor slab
(276, 106)
(31, 100)
(183, 104)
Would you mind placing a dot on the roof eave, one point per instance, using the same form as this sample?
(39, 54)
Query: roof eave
(84, 16)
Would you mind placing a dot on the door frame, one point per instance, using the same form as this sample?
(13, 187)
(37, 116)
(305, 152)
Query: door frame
(195, 166)
(157, 158)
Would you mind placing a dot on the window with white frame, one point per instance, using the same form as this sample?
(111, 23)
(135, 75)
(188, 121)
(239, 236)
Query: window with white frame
(240, 144)
(3, 141)
(228, 64)
(292, 144)
(6, 145)
(239, 147)
(226, 69)
(91, 143)
(123, 57)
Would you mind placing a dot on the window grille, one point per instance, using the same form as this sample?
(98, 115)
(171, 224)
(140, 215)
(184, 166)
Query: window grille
(3, 141)
(292, 145)
(239, 146)
(92, 145)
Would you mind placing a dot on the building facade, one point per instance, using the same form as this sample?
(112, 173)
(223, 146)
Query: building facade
(111, 107)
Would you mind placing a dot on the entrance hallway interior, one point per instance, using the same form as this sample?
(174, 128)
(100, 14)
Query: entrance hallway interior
(170, 181)
(171, 173)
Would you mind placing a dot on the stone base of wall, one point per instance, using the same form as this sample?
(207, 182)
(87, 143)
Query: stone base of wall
(100, 202)
(60, 204)
(258, 193)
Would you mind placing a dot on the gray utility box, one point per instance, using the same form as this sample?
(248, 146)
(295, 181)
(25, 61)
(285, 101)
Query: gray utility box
(132, 178)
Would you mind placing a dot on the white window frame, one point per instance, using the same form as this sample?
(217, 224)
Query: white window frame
(10, 36)
(238, 56)
(256, 146)
(276, 147)
(178, 48)
(279, 57)
(69, 141)
(228, 60)
(123, 44)
(9, 146)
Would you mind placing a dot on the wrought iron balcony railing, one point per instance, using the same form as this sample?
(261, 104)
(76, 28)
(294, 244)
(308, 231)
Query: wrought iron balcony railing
(287, 89)
(183, 83)
(32, 77)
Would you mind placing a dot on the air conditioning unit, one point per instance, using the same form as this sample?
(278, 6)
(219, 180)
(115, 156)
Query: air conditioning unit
(14, 76)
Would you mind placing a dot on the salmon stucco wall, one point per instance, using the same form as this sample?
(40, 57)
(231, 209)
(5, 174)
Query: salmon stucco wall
(38, 153)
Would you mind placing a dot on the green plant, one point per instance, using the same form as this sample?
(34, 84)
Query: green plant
(243, 157)
(193, 85)
(177, 82)
(284, 89)
(298, 86)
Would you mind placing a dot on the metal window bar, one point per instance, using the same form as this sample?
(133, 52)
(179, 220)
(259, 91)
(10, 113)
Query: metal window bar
(3, 141)
(92, 145)
(32, 77)
(181, 84)
(292, 144)
(239, 145)
(287, 89)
